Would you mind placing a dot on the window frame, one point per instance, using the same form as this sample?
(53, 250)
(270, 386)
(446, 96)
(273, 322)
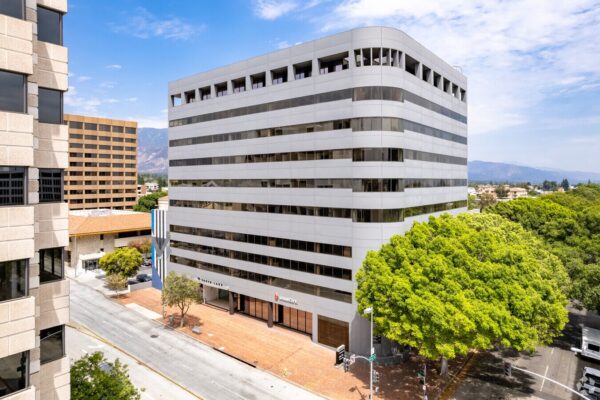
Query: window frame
(62, 104)
(25, 190)
(24, 91)
(62, 185)
(56, 277)
(22, 16)
(26, 274)
(63, 352)
(25, 373)
(60, 25)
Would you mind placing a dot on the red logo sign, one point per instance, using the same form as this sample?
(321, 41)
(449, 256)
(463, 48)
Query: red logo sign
(276, 296)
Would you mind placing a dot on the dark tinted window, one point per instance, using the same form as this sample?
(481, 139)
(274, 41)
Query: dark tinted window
(52, 344)
(12, 8)
(90, 126)
(50, 106)
(12, 186)
(129, 130)
(75, 125)
(14, 371)
(51, 264)
(13, 279)
(51, 185)
(12, 95)
(49, 26)
(118, 129)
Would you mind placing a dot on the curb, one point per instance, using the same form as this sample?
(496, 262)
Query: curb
(86, 331)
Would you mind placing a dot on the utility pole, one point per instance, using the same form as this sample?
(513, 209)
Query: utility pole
(371, 353)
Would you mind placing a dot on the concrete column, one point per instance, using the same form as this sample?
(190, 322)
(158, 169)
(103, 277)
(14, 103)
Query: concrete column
(315, 67)
(213, 92)
(229, 87)
(402, 60)
(248, 83)
(268, 78)
(231, 304)
(290, 76)
(270, 320)
(351, 59)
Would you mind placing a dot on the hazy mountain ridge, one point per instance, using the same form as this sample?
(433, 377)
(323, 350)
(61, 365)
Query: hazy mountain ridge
(485, 171)
(153, 145)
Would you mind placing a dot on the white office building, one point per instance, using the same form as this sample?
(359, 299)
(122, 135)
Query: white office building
(285, 169)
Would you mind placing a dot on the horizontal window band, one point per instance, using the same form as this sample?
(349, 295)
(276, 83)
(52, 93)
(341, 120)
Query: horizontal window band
(265, 279)
(357, 185)
(357, 215)
(268, 261)
(355, 94)
(357, 155)
(364, 124)
(313, 247)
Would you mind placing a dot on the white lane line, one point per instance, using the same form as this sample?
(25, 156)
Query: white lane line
(552, 351)
(544, 380)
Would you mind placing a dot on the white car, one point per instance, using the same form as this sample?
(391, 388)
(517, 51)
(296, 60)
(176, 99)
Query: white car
(590, 343)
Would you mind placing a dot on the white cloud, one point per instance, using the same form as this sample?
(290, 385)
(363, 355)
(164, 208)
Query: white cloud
(273, 9)
(150, 121)
(143, 24)
(516, 54)
(78, 103)
(83, 78)
(114, 66)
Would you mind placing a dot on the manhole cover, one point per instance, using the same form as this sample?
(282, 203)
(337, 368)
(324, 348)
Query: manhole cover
(154, 336)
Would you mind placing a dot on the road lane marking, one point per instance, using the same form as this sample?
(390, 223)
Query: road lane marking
(544, 380)
(552, 351)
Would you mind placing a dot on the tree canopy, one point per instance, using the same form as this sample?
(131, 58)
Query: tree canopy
(148, 202)
(569, 223)
(95, 378)
(123, 261)
(181, 292)
(468, 282)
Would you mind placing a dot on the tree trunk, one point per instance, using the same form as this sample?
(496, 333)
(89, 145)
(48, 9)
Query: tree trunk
(444, 369)
(181, 322)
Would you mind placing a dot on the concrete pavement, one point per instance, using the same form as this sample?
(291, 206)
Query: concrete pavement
(204, 371)
(155, 386)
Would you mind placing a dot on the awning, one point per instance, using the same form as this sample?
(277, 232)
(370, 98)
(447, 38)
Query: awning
(93, 256)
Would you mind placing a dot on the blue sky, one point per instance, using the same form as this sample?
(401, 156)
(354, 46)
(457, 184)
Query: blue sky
(533, 66)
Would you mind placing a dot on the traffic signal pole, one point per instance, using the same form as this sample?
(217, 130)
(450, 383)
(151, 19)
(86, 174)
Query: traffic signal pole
(371, 362)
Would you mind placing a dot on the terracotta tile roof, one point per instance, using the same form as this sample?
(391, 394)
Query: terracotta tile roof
(95, 225)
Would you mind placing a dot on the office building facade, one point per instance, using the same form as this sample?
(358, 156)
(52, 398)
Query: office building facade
(285, 169)
(34, 296)
(102, 169)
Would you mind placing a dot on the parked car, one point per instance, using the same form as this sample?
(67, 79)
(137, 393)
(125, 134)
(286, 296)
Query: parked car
(589, 391)
(590, 343)
(591, 376)
(143, 278)
(147, 263)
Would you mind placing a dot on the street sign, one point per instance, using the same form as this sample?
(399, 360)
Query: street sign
(352, 359)
(372, 358)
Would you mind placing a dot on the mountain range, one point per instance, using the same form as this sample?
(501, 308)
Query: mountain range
(153, 158)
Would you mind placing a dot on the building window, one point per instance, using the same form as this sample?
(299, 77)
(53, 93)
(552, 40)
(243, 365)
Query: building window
(257, 80)
(49, 24)
(13, 279)
(117, 129)
(91, 127)
(279, 76)
(205, 93)
(221, 89)
(12, 95)
(13, 8)
(130, 130)
(50, 103)
(14, 373)
(12, 186)
(104, 128)
(190, 96)
(52, 344)
(51, 264)
(303, 70)
(332, 332)
(239, 85)
(334, 63)
(51, 185)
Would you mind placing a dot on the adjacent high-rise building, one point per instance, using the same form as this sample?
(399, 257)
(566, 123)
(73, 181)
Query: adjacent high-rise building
(285, 169)
(102, 169)
(34, 296)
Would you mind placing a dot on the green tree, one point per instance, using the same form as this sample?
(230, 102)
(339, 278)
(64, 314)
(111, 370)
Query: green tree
(148, 202)
(141, 245)
(501, 191)
(95, 378)
(162, 181)
(485, 200)
(472, 202)
(116, 282)
(124, 261)
(181, 292)
(565, 185)
(549, 186)
(468, 282)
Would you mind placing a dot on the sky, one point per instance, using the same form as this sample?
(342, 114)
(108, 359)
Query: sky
(533, 66)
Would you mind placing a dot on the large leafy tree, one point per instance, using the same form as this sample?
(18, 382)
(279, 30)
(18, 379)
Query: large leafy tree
(95, 378)
(124, 261)
(459, 283)
(181, 292)
(148, 202)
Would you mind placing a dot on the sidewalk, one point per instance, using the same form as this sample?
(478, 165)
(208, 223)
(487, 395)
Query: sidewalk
(291, 355)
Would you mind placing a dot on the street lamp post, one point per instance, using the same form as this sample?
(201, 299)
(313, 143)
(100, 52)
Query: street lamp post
(371, 352)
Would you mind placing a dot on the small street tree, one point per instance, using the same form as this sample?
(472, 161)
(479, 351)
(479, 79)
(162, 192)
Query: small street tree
(141, 245)
(486, 199)
(454, 284)
(116, 282)
(95, 378)
(148, 202)
(181, 292)
(124, 261)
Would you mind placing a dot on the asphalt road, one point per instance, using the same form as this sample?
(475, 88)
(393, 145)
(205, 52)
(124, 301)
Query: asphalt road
(204, 371)
(556, 362)
(155, 386)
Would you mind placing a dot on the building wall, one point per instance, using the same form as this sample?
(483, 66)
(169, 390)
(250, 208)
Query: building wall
(25, 229)
(102, 169)
(92, 244)
(421, 103)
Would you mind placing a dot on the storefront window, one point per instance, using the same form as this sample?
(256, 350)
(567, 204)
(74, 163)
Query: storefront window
(333, 332)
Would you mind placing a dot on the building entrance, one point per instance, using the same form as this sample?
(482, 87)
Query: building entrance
(289, 317)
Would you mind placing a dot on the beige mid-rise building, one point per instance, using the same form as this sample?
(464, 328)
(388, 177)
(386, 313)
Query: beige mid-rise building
(34, 296)
(102, 169)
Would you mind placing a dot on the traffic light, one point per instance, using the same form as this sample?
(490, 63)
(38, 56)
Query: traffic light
(507, 368)
(375, 377)
(346, 364)
(421, 375)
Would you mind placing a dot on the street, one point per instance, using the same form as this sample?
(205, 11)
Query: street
(556, 362)
(204, 371)
(155, 386)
